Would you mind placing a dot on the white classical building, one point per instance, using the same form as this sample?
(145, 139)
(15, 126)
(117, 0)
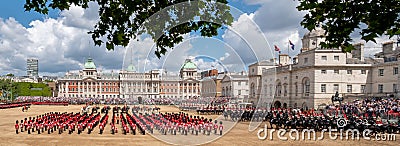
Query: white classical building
(317, 74)
(156, 85)
(129, 83)
(255, 82)
(236, 86)
(139, 85)
(189, 84)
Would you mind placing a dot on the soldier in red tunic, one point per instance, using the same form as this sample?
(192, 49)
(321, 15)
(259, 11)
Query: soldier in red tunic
(22, 126)
(70, 128)
(185, 130)
(79, 126)
(16, 127)
(126, 129)
(101, 127)
(197, 128)
(134, 129)
(215, 126)
(221, 127)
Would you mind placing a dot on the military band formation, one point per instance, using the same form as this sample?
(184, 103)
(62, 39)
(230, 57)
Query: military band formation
(378, 114)
(139, 121)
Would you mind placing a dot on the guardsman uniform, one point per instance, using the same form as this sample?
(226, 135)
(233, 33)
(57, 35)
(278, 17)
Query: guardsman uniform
(134, 129)
(126, 129)
(185, 126)
(197, 128)
(215, 127)
(22, 126)
(221, 128)
(16, 127)
(101, 127)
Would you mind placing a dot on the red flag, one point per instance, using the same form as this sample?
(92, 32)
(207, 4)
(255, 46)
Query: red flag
(276, 48)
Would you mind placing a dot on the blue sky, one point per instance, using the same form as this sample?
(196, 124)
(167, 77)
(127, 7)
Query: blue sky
(15, 9)
(61, 43)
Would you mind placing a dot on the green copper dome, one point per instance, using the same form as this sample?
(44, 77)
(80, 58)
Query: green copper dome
(89, 64)
(131, 68)
(189, 65)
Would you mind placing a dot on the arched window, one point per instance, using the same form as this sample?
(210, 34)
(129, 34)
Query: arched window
(252, 90)
(285, 92)
(306, 86)
(278, 89)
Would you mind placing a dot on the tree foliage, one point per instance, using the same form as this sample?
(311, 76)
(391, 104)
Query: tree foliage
(23, 88)
(340, 18)
(122, 20)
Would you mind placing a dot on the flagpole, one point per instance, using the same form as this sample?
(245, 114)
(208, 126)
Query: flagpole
(288, 48)
(279, 57)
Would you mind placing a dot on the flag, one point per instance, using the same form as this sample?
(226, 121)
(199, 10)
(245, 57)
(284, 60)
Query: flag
(276, 48)
(291, 45)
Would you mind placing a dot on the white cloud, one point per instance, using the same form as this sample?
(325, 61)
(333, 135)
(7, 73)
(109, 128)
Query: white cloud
(60, 44)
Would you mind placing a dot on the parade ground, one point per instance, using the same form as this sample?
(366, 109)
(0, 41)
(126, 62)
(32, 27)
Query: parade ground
(238, 135)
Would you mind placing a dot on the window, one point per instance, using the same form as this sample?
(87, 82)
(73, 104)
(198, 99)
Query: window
(285, 90)
(296, 88)
(239, 92)
(363, 71)
(336, 71)
(381, 72)
(323, 88)
(252, 70)
(279, 89)
(362, 88)
(349, 88)
(395, 88)
(324, 58)
(306, 86)
(336, 58)
(395, 70)
(335, 87)
(239, 83)
(305, 60)
(380, 88)
(323, 71)
(252, 90)
(349, 72)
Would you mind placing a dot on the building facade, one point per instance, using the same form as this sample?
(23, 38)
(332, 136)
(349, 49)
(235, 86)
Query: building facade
(89, 83)
(129, 83)
(139, 85)
(236, 86)
(319, 73)
(211, 86)
(255, 82)
(189, 84)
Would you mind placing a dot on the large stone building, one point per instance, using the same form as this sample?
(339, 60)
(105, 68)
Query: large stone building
(89, 83)
(129, 83)
(211, 85)
(189, 84)
(255, 82)
(318, 73)
(236, 86)
(139, 85)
